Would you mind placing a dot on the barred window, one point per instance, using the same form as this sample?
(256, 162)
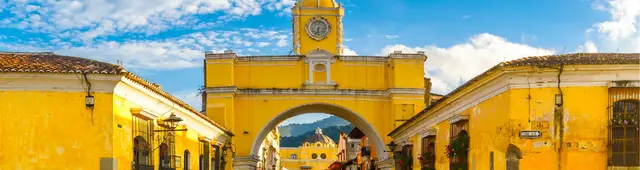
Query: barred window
(204, 155)
(623, 127)
(142, 143)
(459, 129)
(428, 152)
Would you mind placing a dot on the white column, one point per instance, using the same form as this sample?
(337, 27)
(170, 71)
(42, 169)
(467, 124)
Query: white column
(328, 64)
(245, 163)
(310, 72)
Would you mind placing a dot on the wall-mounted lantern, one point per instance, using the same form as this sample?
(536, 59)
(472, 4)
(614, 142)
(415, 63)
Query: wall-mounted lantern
(171, 123)
(89, 101)
(558, 100)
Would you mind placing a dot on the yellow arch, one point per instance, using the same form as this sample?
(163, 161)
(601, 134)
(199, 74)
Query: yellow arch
(328, 108)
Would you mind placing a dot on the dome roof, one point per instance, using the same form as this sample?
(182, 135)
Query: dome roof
(318, 137)
(318, 3)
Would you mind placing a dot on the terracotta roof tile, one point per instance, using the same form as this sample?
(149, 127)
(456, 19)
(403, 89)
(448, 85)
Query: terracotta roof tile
(539, 61)
(47, 62)
(51, 63)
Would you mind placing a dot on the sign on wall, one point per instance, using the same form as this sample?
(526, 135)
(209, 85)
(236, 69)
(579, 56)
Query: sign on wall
(530, 134)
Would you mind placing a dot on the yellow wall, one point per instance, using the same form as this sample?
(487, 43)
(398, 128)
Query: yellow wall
(304, 157)
(347, 74)
(123, 138)
(40, 134)
(249, 112)
(495, 123)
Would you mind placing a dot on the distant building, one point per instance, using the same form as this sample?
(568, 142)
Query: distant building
(269, 154)
(317, 152)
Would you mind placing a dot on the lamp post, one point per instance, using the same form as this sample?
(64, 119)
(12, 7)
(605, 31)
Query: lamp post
(392, 146)
(171, 123)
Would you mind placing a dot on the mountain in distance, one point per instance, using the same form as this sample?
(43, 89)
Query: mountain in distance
(296, 129)
(332, 131)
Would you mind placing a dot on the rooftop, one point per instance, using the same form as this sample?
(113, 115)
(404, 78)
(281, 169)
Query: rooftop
(48, 62)
(538, 61)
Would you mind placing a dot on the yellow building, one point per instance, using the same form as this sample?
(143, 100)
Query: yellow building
(270, 152)
(571, 111)
(251, 95)
(316, 153)
(61, 112)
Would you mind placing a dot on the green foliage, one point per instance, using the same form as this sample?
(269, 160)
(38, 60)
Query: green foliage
(296, 129)
(332, 131)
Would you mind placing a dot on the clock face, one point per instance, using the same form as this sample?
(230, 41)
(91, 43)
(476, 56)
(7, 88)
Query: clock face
(318, 28)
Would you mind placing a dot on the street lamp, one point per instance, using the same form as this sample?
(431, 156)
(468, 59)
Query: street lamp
(392, 146)
(171, 123)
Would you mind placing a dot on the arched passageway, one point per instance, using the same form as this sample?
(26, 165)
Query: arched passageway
(331, 109)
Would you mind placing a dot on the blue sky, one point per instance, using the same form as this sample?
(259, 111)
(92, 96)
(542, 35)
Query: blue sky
(164, 40)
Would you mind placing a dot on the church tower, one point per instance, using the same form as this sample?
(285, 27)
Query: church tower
(317, 24)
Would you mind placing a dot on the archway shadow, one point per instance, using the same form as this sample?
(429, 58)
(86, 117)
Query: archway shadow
(327, 108)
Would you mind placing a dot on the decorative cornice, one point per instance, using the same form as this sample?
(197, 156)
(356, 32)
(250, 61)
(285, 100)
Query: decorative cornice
(226, 89)
(270, 58)
(225, 55)
(400, 55)
(429, 132)
(364, 58)
(456, 118)
(635, 83)
(348, 92)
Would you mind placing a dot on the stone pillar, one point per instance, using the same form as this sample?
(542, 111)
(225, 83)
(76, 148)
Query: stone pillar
(245, 163)
(386, 164)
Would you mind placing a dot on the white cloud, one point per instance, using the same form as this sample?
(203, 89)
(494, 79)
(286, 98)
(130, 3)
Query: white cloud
(96, 18)
(465, 16)
(391, 36)
(588, 47)
(186, 51)
(191, 97)
(347, 51)
(282, 43)
(263, 44)
(448, 66)
(619, 34)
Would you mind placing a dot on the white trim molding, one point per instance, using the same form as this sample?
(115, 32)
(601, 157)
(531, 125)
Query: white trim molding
(343, 92)
(456, 118)
(518, 78)
(153, 103)
(57, 82)
(429, 132)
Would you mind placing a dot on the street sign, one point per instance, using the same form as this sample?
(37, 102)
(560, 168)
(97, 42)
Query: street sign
(530, 134)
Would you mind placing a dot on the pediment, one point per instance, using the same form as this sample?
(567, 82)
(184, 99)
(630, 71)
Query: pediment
(319, 54)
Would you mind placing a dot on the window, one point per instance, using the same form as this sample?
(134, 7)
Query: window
(204, 155)
(142, 143)
(167, 150)
(314, 156)
(623, 127)
(294, 156)
(459, 129)
(187, 160)
(217, 157)
(513, 157)
(428, 152)
(319, 68)
(323, 156)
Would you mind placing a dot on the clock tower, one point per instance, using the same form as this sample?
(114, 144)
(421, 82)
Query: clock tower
(317, 25)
